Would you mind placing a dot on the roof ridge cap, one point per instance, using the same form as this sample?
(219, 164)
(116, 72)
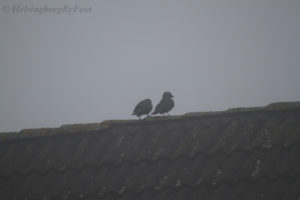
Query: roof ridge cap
(85, 127)
(277, 106)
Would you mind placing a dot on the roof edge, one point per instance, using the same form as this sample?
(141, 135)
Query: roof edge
(277, 106)
(73, 128)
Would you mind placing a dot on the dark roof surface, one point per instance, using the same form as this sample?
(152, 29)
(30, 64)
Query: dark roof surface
(237, 154)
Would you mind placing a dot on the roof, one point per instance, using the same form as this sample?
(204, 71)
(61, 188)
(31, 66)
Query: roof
(243, 153)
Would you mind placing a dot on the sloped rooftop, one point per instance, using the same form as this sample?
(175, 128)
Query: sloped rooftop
(241, 153)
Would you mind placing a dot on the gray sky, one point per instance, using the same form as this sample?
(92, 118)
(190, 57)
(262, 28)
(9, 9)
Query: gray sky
(97, 64)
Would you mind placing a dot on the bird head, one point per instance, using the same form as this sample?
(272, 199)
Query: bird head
(167, 95)
(148, 101)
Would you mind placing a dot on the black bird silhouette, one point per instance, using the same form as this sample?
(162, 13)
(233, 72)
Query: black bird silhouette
(165, 105)
(143, 108)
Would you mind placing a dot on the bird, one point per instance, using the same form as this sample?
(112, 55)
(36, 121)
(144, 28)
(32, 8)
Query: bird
(165, 105)
(143, 108)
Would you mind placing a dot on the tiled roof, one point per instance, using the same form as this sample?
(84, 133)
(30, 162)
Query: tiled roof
(236, 154)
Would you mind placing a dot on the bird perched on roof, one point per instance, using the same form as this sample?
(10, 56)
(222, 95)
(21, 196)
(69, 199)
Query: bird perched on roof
(165, 105)
(143, 108)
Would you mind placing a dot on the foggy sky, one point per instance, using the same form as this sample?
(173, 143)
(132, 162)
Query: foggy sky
(88, 67)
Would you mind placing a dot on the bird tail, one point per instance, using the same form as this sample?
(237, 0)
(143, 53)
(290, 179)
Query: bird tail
(154, 112)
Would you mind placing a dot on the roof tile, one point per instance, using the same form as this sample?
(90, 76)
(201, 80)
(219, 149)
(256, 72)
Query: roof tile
(244, 154)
